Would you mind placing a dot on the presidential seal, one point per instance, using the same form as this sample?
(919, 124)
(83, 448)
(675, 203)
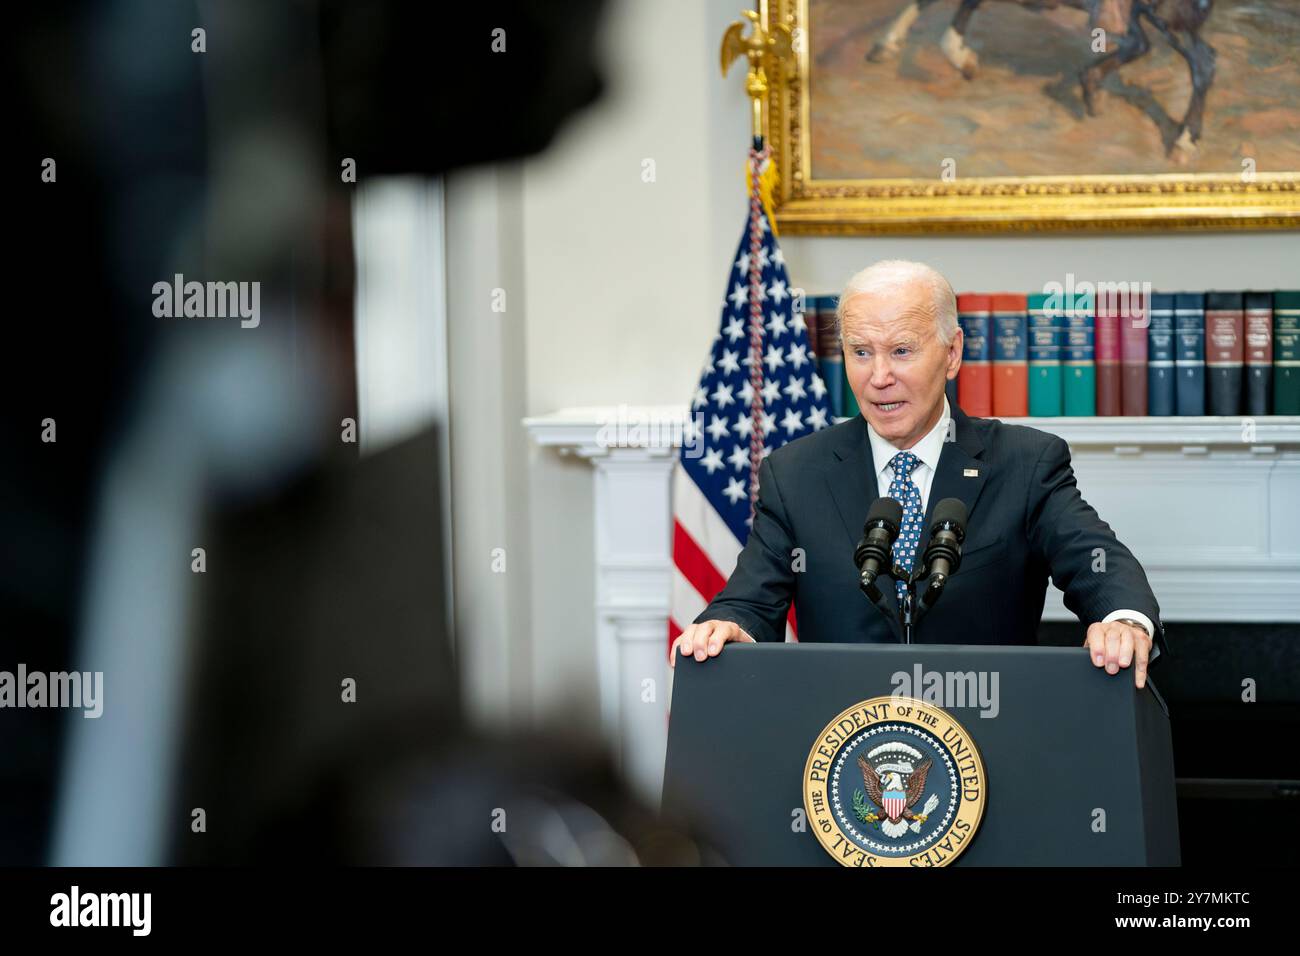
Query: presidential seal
(894, 781)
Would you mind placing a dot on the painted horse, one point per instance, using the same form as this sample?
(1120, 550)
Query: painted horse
(1178, 21)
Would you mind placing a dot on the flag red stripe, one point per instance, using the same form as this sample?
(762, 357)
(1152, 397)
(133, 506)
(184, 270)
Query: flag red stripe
(695, 564)
(696, 567)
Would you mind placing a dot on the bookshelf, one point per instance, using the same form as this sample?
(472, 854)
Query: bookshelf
(1170, 430)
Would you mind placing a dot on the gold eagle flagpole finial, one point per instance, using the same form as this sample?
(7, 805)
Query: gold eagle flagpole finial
(763, 43)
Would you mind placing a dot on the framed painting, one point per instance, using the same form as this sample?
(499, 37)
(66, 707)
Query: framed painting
(1024, 115)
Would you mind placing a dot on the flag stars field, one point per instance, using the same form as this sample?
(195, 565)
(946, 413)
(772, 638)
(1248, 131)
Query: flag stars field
(776, 325)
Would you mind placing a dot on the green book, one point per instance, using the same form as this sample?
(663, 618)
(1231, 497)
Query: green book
(1046, 335)
(850, 400)
(1078, 359)
(1286, 353)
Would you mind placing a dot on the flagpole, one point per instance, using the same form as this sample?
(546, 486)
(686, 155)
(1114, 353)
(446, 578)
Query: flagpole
(766, 42)
(771, 44)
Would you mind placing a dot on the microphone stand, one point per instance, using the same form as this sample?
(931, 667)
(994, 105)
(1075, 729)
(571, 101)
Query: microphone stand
(908, 612)
(914, 608)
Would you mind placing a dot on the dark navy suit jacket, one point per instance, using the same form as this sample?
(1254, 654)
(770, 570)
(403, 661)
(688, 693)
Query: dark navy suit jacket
(1027, 522)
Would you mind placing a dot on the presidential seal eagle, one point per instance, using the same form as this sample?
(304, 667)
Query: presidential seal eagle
(895, 800)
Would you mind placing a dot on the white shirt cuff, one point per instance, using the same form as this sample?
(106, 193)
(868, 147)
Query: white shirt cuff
(1141, 619)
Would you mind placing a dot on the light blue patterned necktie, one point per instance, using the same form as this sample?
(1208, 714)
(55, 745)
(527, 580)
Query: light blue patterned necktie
(902, 490)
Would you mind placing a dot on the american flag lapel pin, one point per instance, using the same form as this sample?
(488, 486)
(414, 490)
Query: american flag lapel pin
(970, 473)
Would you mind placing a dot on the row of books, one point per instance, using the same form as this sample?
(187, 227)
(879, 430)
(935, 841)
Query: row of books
(1169, 353)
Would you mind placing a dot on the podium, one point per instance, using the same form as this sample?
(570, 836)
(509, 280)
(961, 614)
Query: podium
(1077, 763)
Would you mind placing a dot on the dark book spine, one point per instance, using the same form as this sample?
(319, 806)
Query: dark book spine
(1259, 353)
(830, 356)
(1160, 355)
(806, 307)
(1225, 340)
(1189, 353)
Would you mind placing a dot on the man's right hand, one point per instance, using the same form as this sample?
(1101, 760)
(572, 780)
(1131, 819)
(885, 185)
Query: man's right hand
(706, 639)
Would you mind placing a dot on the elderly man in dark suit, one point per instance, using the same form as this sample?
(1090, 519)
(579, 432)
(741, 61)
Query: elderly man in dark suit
(1027, 520)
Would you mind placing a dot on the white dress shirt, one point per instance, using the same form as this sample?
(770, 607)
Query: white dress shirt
(927, 452)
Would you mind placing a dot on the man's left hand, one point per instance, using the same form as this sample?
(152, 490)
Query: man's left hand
(1116, 645)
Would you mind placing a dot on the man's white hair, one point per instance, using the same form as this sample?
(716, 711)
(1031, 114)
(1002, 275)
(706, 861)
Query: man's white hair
(897, 273)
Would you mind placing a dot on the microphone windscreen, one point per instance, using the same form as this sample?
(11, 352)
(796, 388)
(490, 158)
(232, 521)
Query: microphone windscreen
(888, 510)
(949, 510)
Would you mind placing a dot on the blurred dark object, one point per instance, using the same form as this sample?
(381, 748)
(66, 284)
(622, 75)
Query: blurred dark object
(341, 577)
(526, 800)
(412, 89)
(82, 251)
(147, 135)
(336, 578)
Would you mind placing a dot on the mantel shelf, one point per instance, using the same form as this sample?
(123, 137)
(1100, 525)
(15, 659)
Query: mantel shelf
(592, 429)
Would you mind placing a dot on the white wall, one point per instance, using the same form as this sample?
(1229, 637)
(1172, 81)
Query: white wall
(619, 284)
(489, 470)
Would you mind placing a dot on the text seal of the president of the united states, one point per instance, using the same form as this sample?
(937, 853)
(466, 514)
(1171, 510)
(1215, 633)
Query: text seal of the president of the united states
(894, 781)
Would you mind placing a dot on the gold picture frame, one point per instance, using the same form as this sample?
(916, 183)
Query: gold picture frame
(1118, 203)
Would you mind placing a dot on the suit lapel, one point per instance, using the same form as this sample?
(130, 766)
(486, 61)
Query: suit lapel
(961, 472)
(852, 481)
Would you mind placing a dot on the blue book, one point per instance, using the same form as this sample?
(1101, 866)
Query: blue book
(1160, 355)
(1189, 353)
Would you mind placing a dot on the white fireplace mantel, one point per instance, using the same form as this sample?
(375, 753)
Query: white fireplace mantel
(1210, 506)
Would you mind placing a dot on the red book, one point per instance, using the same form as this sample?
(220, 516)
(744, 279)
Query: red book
(1108, 357)
(1010, 354)
(1133, 322)
(975, 383)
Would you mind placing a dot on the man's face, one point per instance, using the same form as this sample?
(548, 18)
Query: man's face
(895, 362)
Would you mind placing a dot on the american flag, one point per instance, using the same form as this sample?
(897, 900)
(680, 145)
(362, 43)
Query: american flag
(759, 390)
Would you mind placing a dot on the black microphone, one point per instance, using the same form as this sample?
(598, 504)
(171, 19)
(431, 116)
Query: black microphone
(878, 534)
(943, 552)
